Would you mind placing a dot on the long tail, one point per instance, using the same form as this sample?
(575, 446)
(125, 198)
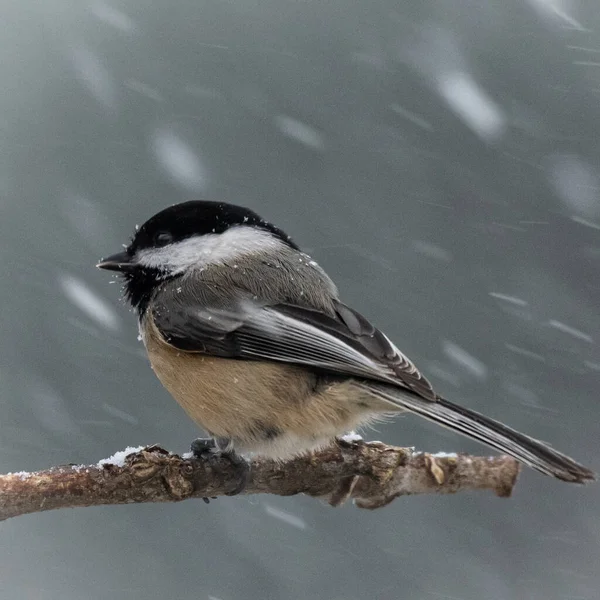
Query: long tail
(525, 449)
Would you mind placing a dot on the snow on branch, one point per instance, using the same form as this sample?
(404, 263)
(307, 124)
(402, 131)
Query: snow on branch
(372, 474)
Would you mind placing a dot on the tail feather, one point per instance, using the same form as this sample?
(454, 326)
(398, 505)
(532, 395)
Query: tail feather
(525, 449)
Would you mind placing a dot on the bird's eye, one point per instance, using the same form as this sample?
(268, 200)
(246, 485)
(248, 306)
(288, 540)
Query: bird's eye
(163, 238)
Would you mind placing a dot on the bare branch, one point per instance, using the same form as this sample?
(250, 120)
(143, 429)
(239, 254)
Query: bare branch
(373, 474)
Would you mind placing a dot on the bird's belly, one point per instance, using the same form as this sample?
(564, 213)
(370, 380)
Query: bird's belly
(271, 409)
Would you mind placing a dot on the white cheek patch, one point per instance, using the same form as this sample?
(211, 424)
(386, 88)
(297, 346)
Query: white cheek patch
(208, 249)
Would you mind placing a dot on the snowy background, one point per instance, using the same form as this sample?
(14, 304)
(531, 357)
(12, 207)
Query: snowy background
(440, 160)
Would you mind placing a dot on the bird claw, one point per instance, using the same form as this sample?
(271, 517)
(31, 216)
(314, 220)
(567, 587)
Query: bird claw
(207, 448)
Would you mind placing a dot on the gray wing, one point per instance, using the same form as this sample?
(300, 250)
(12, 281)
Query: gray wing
(343, 342)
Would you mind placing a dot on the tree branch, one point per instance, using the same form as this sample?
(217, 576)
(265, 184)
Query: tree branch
(373, 474)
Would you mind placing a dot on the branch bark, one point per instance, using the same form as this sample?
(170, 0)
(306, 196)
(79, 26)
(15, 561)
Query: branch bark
(372, 474)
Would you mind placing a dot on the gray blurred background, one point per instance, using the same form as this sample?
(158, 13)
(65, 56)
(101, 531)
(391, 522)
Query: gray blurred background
(439, 159)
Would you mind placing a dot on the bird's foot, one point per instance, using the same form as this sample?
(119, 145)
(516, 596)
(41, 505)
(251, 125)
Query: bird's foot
(214, 448)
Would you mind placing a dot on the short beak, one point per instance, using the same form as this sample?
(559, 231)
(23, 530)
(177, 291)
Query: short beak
(118, 262)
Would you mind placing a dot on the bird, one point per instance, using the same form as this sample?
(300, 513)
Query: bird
(249, 335)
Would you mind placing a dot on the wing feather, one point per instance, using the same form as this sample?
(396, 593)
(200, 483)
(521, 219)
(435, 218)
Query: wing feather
(344, 342)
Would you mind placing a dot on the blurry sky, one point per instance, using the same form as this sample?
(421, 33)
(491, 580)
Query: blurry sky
(440, 160)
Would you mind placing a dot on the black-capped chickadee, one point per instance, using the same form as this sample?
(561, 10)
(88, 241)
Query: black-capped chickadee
(248, 334)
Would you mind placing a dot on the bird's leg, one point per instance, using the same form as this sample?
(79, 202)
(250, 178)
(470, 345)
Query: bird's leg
(202, 447)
